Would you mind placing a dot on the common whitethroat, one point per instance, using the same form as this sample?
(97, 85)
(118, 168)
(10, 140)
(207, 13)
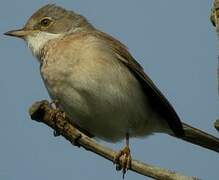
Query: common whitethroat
(97, 82)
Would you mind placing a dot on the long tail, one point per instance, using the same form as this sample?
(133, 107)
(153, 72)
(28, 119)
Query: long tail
(200, 138)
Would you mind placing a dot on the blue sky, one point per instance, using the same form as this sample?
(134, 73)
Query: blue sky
(175, 43)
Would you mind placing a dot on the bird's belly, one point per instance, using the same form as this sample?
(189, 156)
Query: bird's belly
(108, 107)
(106, 114)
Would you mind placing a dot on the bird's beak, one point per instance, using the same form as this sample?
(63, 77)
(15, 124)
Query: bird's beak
(19, 33)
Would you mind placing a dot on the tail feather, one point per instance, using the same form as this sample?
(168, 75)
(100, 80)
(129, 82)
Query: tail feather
(200, 138)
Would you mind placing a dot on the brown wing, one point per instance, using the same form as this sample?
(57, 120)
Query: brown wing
(156, 99)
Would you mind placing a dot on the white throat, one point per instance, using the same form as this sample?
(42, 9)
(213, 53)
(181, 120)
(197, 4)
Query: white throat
(37, 41)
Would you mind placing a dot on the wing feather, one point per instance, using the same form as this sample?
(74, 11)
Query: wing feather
(156, 99)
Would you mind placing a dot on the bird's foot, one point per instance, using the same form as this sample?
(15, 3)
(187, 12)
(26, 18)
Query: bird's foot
(60, 114)
(123, 160)
(56, 114)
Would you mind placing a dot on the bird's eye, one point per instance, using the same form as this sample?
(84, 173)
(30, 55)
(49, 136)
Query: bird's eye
(45, 22)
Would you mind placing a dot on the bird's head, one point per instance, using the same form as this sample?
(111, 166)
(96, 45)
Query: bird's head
(49, 22)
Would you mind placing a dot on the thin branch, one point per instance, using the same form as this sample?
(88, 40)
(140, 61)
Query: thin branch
(54, 118)
(215, 21)
(214, 17)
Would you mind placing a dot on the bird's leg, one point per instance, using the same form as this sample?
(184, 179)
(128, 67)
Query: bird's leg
(124, 156)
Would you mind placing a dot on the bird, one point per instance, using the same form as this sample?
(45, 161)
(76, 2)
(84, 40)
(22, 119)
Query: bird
(95, 79)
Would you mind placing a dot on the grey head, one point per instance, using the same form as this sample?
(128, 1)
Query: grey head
(52, 19)
(49, 22)
(55, 19)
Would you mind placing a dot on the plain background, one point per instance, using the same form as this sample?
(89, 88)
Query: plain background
(175, 43)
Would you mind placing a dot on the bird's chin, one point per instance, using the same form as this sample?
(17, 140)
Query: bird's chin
(36, 40)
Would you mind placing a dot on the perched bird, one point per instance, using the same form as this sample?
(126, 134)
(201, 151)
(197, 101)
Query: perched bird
(97, 82)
